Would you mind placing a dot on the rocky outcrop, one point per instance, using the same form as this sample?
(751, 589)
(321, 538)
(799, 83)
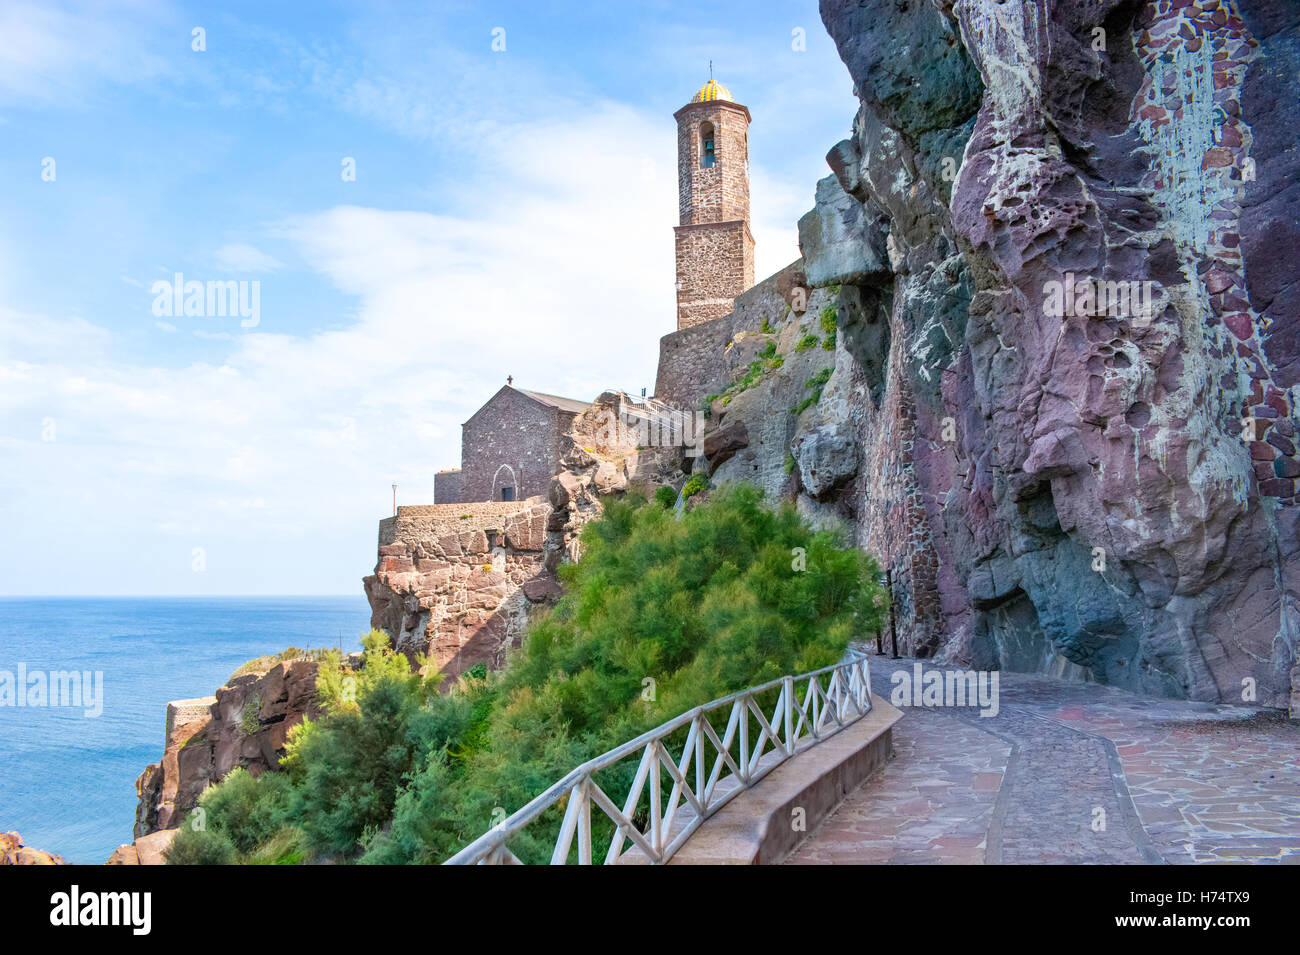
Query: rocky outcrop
(146, 850)
(1071, 387)
(13, 852)
(245, 724)
(827, 459)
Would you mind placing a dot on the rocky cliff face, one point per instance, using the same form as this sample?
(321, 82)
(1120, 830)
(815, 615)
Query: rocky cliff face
(245, 724)
(1064, 238)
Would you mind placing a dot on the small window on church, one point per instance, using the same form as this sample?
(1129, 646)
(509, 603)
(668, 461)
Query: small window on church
(708, 151)
(507, 494)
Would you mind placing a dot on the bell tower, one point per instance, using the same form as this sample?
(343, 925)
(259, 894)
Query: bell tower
(715, 249)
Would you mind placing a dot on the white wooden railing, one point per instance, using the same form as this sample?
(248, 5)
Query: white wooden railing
(809, 708)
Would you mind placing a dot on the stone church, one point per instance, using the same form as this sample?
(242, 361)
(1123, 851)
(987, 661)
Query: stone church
(511, 447)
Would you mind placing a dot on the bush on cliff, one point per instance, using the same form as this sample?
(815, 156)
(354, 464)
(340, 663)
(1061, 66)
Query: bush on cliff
(206, 846)
(660, 615)
(347, 767)
(248, 809)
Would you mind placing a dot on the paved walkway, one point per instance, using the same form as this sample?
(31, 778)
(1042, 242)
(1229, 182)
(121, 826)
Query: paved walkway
(1072, 773)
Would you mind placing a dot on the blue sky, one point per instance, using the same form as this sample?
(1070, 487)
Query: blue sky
(512, 213)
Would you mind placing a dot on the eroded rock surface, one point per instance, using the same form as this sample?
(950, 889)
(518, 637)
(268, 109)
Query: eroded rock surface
(1078, 442)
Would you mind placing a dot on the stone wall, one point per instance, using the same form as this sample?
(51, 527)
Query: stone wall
(690, 363)
(715, 263)
(693, 362)
(512, 441)
(456, 582)
(447, 486)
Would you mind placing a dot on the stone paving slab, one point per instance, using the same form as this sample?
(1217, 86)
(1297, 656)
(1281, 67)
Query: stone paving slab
(932, 803)
(1073, 773)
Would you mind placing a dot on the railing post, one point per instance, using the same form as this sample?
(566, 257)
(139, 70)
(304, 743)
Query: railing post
(701, 774)
(788, 716)
(656, 802)
(584, 825)
(743, 703)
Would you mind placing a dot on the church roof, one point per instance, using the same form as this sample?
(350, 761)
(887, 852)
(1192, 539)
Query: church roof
(712, 90)
(570, 405)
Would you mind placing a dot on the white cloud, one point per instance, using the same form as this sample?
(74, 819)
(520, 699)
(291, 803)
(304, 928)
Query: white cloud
(241, 257)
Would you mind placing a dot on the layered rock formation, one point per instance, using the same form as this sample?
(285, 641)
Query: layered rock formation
(1080, 458)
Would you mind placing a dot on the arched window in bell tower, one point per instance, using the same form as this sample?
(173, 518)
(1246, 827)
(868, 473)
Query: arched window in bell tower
(708, 150)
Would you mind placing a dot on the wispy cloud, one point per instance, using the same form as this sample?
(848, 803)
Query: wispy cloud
(241, 257)
(61, 52)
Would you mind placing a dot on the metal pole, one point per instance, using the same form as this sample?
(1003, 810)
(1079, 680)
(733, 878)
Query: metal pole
(394, 500)
(893, 622)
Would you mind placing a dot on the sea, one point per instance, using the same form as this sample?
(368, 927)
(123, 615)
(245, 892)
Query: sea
(67, 775)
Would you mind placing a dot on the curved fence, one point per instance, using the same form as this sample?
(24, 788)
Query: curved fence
(701, 767)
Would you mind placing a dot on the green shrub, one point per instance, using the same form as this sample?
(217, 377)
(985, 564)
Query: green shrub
(247, 809)
(808, 341)
(829, 319)
(666, 496)
(284, 847)
(348, 766)
(829, 343)
(694, 485)
(248, 720)
(767, 326)
(790, 463)
(819, 380)
(199, 847)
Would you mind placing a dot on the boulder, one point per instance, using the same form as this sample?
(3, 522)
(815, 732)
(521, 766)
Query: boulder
(827, 459)
(840, 242)
(721, 443)
(14, 852)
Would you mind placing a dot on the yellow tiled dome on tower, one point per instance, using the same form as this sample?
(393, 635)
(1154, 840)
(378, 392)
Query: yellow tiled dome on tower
(712, 90)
